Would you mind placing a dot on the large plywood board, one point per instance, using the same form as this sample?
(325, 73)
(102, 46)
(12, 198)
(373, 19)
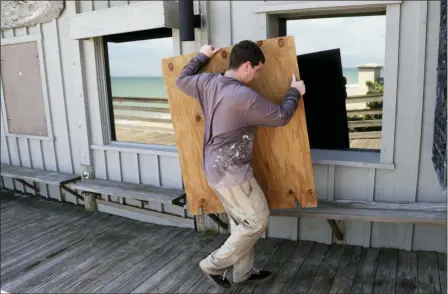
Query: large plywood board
(282, 159)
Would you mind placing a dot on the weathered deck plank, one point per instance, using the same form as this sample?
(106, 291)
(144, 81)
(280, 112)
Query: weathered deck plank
(38, 230)
(64, 263)
(406, 273)
(305, 276)
(70, 240)
(18, 243)
(24, 216)
(428, 280)
(365, 275)
(58, 248)
(276, 263)
(93, 273)
(385, 277)
(74, 267)
(38, 278)
(142, 271)
(46, 239)
(286, 275)
(343, 279)
(441, 262)
(327, 270)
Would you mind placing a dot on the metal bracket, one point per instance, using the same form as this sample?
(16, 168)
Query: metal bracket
(197, 21)
(336, 231)
(34, 187)
(74, 193)
(181, 201)
(64, 187)
(218, 221)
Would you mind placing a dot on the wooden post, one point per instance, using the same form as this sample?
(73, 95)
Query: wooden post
(90, 202)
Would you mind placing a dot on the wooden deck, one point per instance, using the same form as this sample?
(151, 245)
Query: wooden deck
(49, 247)
(140, 134)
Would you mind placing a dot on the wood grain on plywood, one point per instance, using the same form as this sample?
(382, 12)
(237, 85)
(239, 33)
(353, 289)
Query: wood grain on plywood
(282, 160)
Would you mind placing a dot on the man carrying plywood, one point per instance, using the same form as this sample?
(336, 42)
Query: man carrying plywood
(232, 112)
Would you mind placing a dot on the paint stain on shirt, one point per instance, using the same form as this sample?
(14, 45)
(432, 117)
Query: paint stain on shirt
(235, 154)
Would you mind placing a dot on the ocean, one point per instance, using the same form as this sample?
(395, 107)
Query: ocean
(154, 87)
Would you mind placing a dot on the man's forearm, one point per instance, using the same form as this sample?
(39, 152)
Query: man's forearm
(186, 80)
(264, 113)
(290, 102)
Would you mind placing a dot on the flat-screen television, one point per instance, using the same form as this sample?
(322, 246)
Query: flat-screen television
(326, 113)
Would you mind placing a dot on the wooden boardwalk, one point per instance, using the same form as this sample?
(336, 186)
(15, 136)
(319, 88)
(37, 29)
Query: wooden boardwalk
(49, 247)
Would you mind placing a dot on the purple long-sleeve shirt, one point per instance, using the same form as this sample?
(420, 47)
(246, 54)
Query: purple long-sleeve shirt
(232, 111)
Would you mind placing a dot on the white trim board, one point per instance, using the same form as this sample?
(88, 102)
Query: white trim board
(25, 39)
(390, 83)
(313, 7)
(352, 158)
(168, 151)
(124, 19)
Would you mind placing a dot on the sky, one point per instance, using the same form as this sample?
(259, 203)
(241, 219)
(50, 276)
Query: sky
(361, 40)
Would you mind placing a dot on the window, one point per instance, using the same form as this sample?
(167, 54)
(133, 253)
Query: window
(342, 61)
(138, 101)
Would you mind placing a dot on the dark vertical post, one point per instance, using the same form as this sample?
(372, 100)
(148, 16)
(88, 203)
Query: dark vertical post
(282, 31)
(186, 20)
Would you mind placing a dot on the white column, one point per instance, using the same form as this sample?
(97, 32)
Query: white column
(367, 72)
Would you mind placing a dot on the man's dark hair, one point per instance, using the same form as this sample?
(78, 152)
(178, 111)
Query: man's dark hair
(245, 51)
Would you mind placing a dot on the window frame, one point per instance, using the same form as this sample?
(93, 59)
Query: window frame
(275, 14)
(19, 40)
(105, 89)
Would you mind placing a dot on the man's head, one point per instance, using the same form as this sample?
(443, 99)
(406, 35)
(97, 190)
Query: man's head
(246, 60)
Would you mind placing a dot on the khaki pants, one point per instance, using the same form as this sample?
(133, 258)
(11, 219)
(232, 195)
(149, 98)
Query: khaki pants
(248, 211)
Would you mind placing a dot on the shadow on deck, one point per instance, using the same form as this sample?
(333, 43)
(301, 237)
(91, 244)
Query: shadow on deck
(54, 247)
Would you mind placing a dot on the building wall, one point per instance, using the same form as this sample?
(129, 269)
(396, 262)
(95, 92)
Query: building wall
(63, 153)
(413, 178)
(72, 69)
(71, 73)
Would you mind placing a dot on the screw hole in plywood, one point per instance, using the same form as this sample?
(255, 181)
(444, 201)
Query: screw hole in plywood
(224, 54)
(170, 66)
(198, 118)
(281, 42)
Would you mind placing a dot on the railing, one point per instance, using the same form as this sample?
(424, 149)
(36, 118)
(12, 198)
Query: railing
(156, 110)
(364, 123)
